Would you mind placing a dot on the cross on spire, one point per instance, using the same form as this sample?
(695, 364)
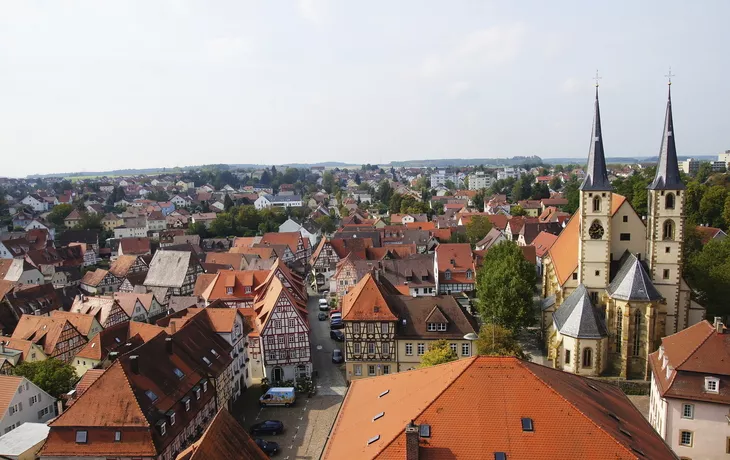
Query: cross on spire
(669, 76)
(597, 78)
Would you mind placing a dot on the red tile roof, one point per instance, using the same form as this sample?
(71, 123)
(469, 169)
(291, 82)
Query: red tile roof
(224, 438)
(135, 246)
(543, 242)
(366, 302)
(474, 408)
(457, 258)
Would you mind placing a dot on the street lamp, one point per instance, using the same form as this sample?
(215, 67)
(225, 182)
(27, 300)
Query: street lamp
(471, 337)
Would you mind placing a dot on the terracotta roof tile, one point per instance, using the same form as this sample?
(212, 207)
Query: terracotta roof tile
(366, 301)
(8, 387)
(224, 438)
(134, 246)
(82, 322)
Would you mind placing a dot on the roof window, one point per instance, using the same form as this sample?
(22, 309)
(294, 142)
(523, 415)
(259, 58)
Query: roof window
(178, 373)
(151, 394)
(215, 353)
(500, 456)
(527, 424)
(373, 439)
(383, 393)
(625, 432)
(117, 436)
(377, 416)
(206, 361)
(424, 430)
(712, 384)
(81, 436)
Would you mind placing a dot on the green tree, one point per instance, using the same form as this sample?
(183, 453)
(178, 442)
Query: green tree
(53, 376)
(90, 221)
(247, 219)
(223, 225)
(326, 224)
(450, 185)
(540, 191)
(692, 198)
(556, 183)
(227, 202)
(505, 287)
(571, 193)
(639, 198)
(438, 208)
(726, 213)
(708, 273)
(517, 210)
(198, 228)
(712, 206)
(439, 352)
(495, 340)
(328, 182)
(477, 228)
(59, 213)
(704, 172)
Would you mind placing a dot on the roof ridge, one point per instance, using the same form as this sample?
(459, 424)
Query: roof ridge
(446, 387)
(522, 363)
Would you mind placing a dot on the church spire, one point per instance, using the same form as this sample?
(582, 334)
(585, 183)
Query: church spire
(667, 171)
(596, 175)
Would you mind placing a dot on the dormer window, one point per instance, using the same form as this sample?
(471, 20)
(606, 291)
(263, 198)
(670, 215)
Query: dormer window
(171, 416)
(163, 428)
(229, 290)
(447, 274)
(712, 384)
(81, 436)
(468, 274)
(205, 386)
(247, 289)
(436, 327)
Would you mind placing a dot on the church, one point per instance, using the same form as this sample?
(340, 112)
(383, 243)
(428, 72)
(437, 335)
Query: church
(612, 282)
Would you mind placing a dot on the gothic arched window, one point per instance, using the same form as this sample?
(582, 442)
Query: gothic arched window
(596, 204)
(669, 201)
(588, 357)
(668, 230)
(619, 329)
(637, 333)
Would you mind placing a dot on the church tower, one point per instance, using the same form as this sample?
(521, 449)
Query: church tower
(594, 251)
(665, 228)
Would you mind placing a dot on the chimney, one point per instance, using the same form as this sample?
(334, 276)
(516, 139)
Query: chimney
(719, 327)
(411, 441)
(113, 356)
(173, 327)
(168, 345)
(134, 362)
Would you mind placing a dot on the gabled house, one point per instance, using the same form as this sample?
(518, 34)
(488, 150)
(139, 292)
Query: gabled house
(58, 337)
(238, 444)
(235, 288)
(454, 268)
(19, 271)
(88, 325)
(100, 281)
(172, 273)
(22, 401)
(142, 308)
(106, 310)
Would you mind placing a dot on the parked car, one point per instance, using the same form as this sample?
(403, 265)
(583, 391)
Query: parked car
(337, 324)
(278, 396)
(337, 357)
(335, 311)
(269, 447)
(322, 316)
(334, 316)
(272, 427)
(323, 306)
(337, 335)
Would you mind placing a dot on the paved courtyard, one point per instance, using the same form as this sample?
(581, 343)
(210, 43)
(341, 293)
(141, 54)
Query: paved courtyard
(308, 422)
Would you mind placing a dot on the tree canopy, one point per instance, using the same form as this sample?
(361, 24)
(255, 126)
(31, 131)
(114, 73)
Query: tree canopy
(708, 272)
(505, 286)
(495, 340)
(477, 229)
(438, 353)
(54, 376)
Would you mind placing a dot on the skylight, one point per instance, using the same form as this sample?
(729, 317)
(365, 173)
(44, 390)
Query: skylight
(527, 424)
(178, 373)
(500, 456)
(373, 439)
(377, 416)
(215, 353)
(383, 393)
(117, 339)
(151, 394)
(206, 361)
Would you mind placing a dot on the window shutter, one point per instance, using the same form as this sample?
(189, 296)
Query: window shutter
(39, 396)
(40, 414)
(20, 406)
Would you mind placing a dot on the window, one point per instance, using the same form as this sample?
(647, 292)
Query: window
(356, 348)
(598, 272)
(247, 289)
(626, 218)
(277, 324)
(575, 276)
(207, 361)
(668, 230)
(178, 373)
(197, 393)
(409, 349)
(205, 387)
(432, 327)
(619, 329)
(447, 274)
(386, 348)
(358, 369)
(527, 424)
(685, 438)
(384, 328)
(596, 204)
(81, 436)
(625, 237)
(465, 349)
(468, 274)
(665, 274)
(356, 328)
(187, 404)
(386, 369)
(567, 356)
(688, 411)
(172, 418)
(371, 369)
(292, 323)
(229, 290)
(117, 436)
(712, 384)
(271, 340)
(272, 355)
(667, 249)
(421, 349)
(587, 357)
(163, 428)
(32, 400)
(371, 348)
(637, 333)
(151, 395)
(453, 347)
(669, 201)
(302, 337)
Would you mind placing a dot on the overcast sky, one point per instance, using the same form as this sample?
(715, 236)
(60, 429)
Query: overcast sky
(90, 85)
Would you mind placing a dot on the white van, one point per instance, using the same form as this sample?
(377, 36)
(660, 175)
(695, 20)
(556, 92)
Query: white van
(323, 305)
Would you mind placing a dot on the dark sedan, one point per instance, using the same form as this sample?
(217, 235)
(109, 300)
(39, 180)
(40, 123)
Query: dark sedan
(269, 447)
(337, 335)
(337, 357)
(336, 324)
(272, 427)
(322, 316)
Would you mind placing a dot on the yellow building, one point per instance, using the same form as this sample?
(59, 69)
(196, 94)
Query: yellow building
(621, 280)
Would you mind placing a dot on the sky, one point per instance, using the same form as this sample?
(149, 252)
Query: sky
(90, 85)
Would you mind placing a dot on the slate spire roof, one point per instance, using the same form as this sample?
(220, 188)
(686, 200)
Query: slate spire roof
(632, 282)
(577, 317)
(596, 174)
(667, 171)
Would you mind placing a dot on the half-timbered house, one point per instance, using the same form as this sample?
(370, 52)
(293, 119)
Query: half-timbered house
(58, 337)
(100, 281)
(106, 310)
(173, 272)
(370, 327)
(236, 288)
(283, 327)
(323, 262)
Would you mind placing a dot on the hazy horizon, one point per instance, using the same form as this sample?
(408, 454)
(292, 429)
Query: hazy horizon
(90, 86)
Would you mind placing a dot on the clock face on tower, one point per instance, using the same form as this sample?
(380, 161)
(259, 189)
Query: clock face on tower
(596, 231)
